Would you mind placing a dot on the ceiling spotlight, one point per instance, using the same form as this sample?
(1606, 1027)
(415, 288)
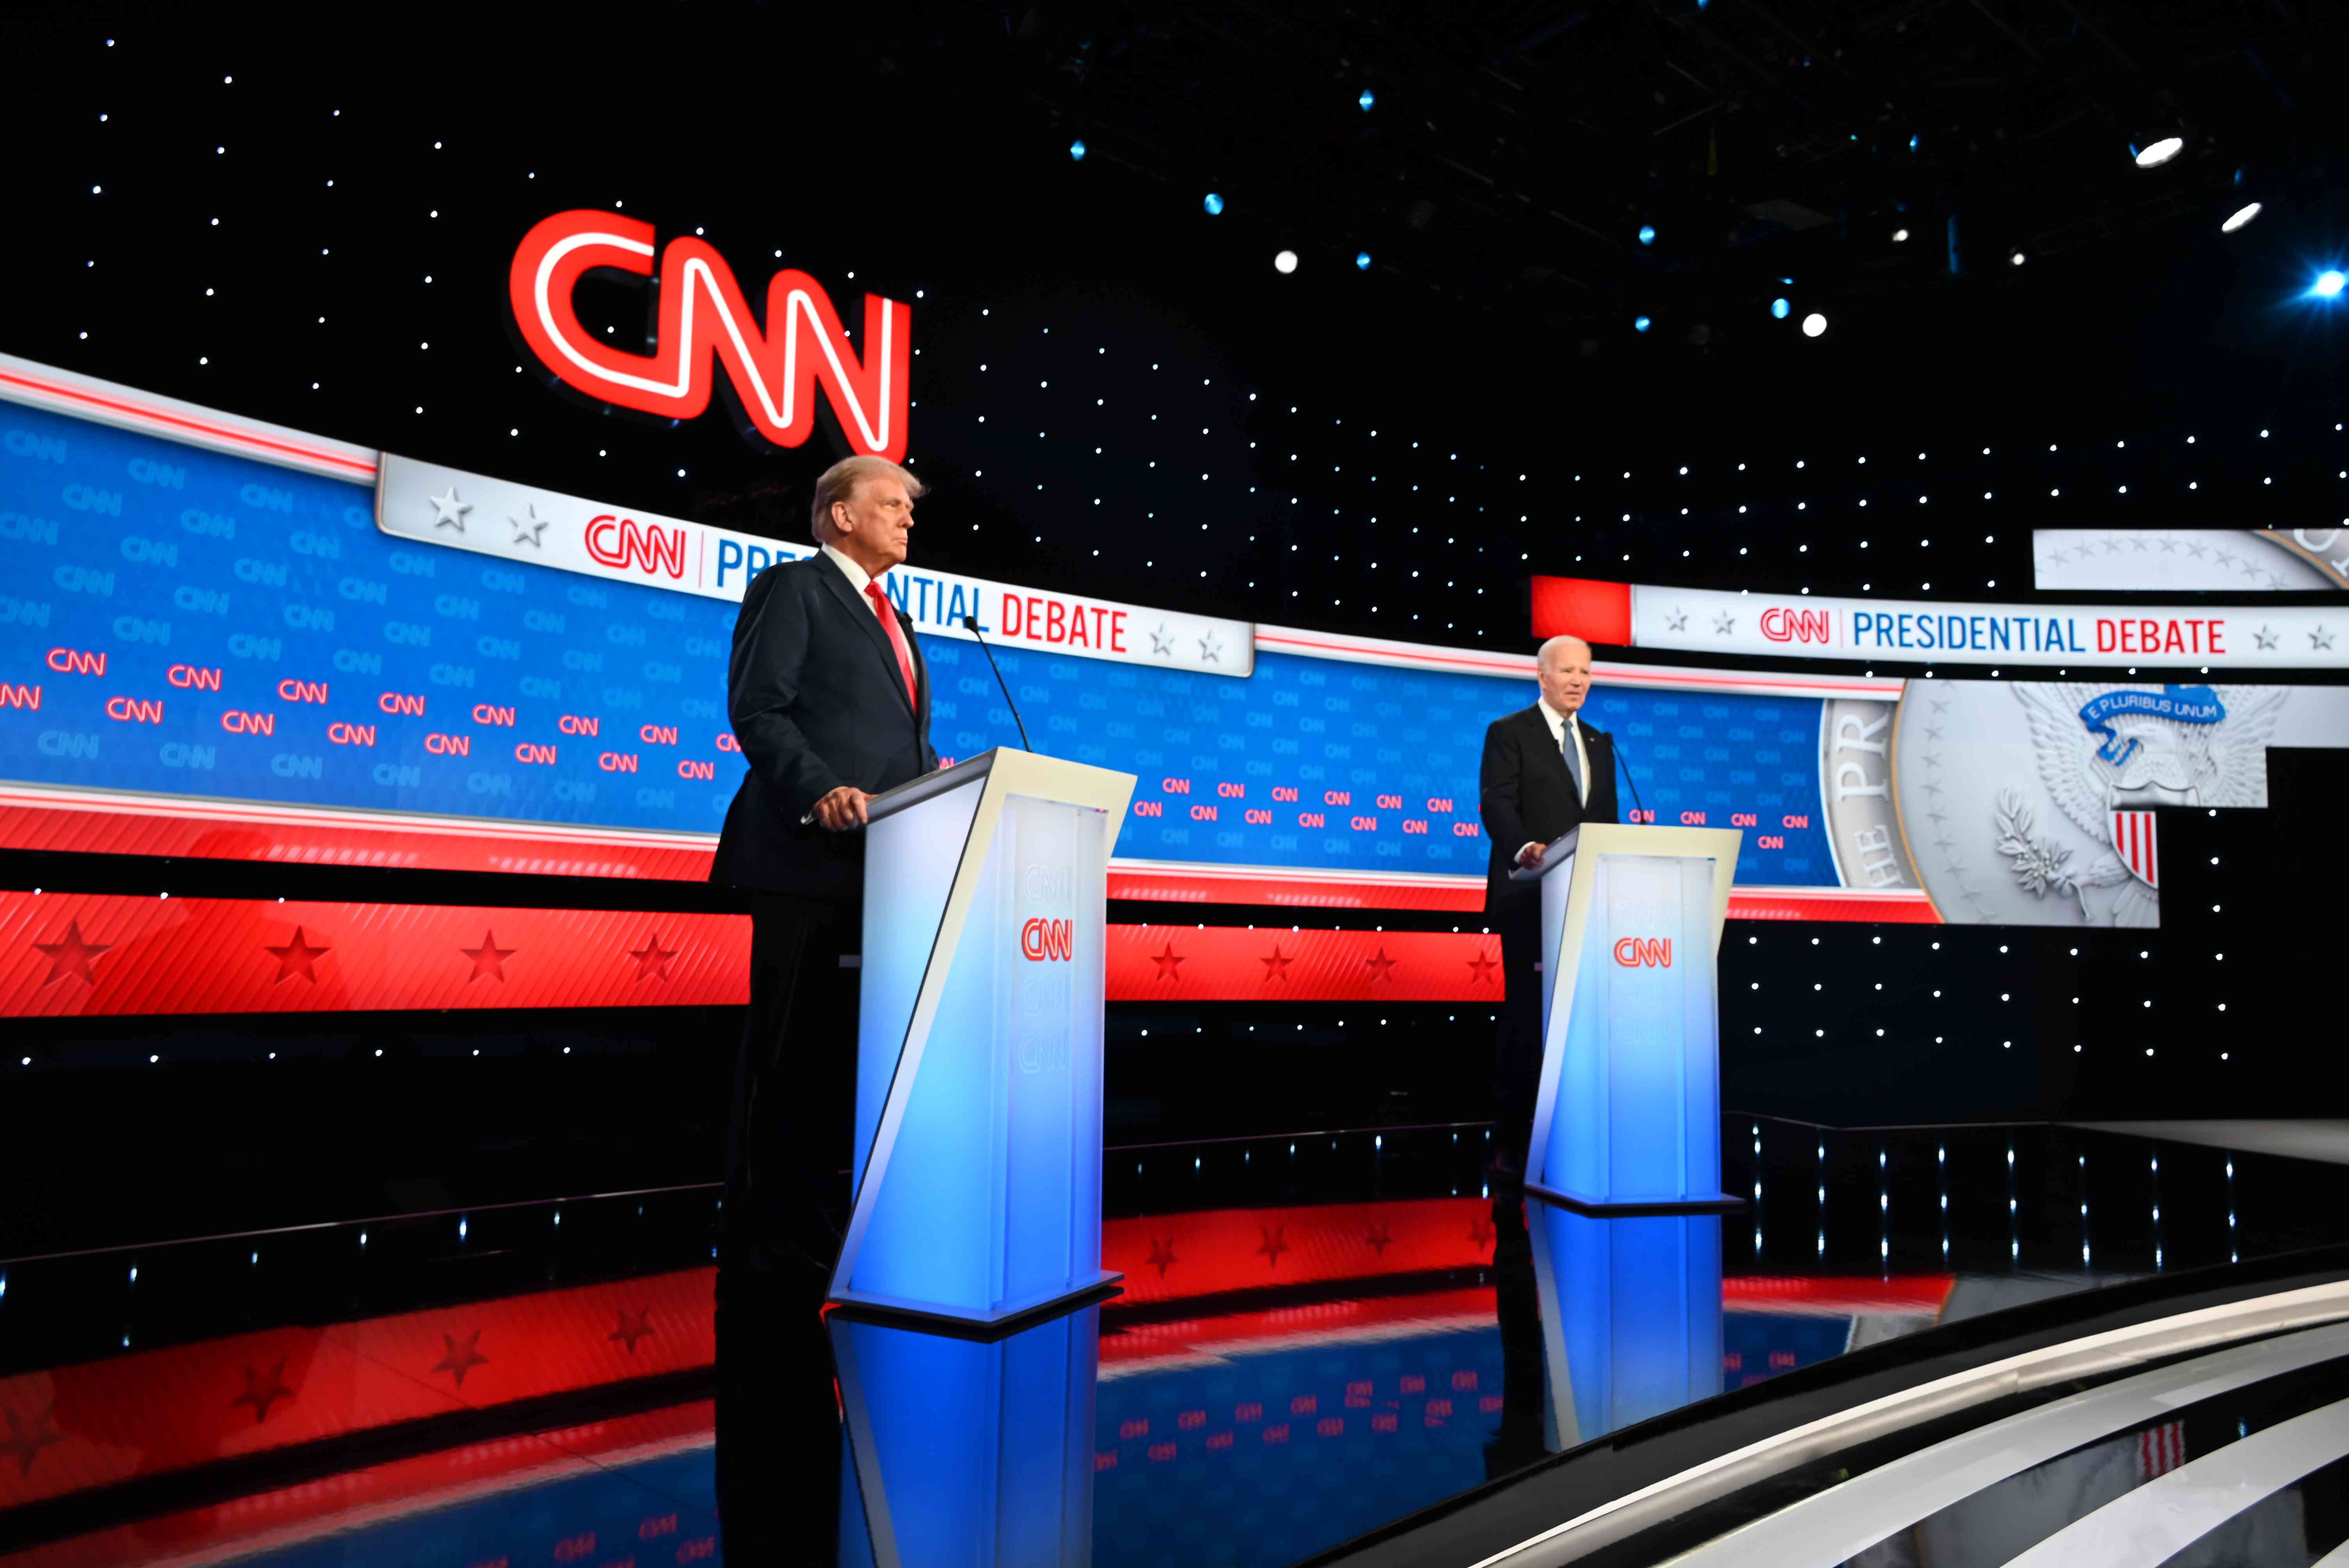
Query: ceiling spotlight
(2159, 152)
(2328, 284)
(2238, 217)
(1640, 324)
(1077, 152)
(1285, 263)
(1363, 260)
(2015, 257)
(1647, 233)
(1367, 99)
(1814, 325)
(1779, 309)
(1900, 236)
(1215, 205)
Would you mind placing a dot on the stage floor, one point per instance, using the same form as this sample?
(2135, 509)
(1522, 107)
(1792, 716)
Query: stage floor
(1323, 1337)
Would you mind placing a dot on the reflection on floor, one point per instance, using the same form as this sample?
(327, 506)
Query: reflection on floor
(1288, 1368)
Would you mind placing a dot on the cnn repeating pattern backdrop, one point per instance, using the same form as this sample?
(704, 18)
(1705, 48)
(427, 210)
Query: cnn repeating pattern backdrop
(179, 621)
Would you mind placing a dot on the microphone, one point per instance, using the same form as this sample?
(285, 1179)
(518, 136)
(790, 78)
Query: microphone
(971, 625)
(1625, 764)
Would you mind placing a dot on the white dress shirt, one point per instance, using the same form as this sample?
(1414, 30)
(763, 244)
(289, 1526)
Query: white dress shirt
(1561, 725)
(857, 576)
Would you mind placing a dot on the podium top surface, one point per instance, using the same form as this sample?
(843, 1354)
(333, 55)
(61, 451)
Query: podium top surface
(1632, 838)
(1025, 772)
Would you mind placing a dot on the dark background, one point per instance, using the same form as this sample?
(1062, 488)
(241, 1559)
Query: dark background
(1117, 394)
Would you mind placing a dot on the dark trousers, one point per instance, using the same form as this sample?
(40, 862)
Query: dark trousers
(1517, 1053)
(789, 1141)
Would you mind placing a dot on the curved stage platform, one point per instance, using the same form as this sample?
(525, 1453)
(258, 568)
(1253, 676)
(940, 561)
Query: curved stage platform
(1924, 1346)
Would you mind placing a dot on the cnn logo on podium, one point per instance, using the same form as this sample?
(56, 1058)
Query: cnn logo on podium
(1042, 940)
(1644, 952)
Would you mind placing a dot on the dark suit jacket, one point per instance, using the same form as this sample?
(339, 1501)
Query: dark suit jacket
(1526, 796)
(816, 702)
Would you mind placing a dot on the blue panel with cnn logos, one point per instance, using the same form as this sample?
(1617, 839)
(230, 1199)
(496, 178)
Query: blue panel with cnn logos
(181, 621)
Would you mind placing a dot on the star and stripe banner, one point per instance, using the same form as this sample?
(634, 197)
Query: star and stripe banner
(69, 955)
(1170, 962)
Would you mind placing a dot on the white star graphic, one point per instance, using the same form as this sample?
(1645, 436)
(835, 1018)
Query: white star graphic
(529, 526)
(1162, 640)
(1677, 621)
(1721, 624)
(2320, 638)
(2265, 637)
(1210, 650)
(452, 511)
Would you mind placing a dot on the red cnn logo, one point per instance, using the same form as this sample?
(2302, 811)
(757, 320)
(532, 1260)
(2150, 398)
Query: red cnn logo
(624, 543)
(1644, 952)
(1042, 939)
(1781, 625)
(773, 373)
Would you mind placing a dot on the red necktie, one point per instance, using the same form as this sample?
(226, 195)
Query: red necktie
(883, 608)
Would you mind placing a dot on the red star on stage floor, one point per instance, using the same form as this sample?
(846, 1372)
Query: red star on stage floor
(1168, 963)
(488, 958)
(1379, 967)
(71, 955)
(633, 1328)
(652, 958)
(1276, 967)
(28, 1437)
(1381, 1238)
(263, 1389)
(1482, 968)
(459, 1361)
(1161, 1256)
(1275, 1243)
(296, 957)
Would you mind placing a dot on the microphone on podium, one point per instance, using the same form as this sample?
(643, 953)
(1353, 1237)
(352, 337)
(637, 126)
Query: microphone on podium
(971, 625)
(1625, 763)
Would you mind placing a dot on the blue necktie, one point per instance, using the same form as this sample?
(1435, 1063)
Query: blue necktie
(1573, 763)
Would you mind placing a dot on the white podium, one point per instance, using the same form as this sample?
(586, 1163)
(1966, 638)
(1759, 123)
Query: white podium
(978, 1076)
(1628, 1120)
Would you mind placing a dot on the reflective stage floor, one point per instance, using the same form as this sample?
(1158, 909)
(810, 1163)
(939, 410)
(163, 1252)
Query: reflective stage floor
(1335, 1345)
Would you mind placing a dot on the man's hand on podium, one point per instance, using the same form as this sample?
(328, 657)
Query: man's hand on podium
(1528, 857)
(842, 810)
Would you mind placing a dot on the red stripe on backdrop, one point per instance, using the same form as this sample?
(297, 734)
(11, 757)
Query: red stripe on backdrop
(356, 1499)
(1581, 608)
(1273, 964)
(1166, 1257)
(152, 1411)
(67, 954)
(301, 836)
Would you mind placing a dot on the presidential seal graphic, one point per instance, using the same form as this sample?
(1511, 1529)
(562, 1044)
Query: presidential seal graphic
(2033, 803)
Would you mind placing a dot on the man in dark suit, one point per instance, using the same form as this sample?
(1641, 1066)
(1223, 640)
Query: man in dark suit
(1545, 771)
(831, 702)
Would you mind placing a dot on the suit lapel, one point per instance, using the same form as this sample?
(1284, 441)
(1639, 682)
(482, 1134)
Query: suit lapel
(862, 610)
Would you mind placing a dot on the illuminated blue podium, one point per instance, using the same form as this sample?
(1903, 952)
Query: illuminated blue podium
(965, 1454)
(1628, 1120)
(979, 1071)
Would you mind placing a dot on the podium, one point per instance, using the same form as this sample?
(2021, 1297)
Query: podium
(1631, 1317)
(1628, 1120)
(979, 1065)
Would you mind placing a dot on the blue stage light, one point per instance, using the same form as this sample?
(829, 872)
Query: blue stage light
(1778, 309)
(1640, 324)
(1077, 150)
(2328, 284)
(1215, 204)
(1367, 99)
(1363, 260)
(1647, 235)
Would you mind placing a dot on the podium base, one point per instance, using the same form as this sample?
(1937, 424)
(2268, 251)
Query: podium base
(1634, 1208)
(936, 1317)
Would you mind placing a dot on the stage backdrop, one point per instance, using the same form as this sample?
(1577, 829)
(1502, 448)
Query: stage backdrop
(219, 638)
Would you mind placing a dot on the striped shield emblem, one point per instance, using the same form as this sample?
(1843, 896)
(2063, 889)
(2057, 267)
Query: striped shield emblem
(2133, 841)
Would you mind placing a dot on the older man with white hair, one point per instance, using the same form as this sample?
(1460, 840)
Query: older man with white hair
(831, 702)
(1545, 771)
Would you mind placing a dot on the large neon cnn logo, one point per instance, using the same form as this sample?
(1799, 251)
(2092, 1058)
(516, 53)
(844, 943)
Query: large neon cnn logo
(773, 374)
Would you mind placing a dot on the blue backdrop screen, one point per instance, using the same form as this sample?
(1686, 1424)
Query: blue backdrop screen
(180, 622)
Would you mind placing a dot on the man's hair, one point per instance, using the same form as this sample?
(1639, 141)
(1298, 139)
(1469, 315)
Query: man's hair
(838, 483)
(1541, 657)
